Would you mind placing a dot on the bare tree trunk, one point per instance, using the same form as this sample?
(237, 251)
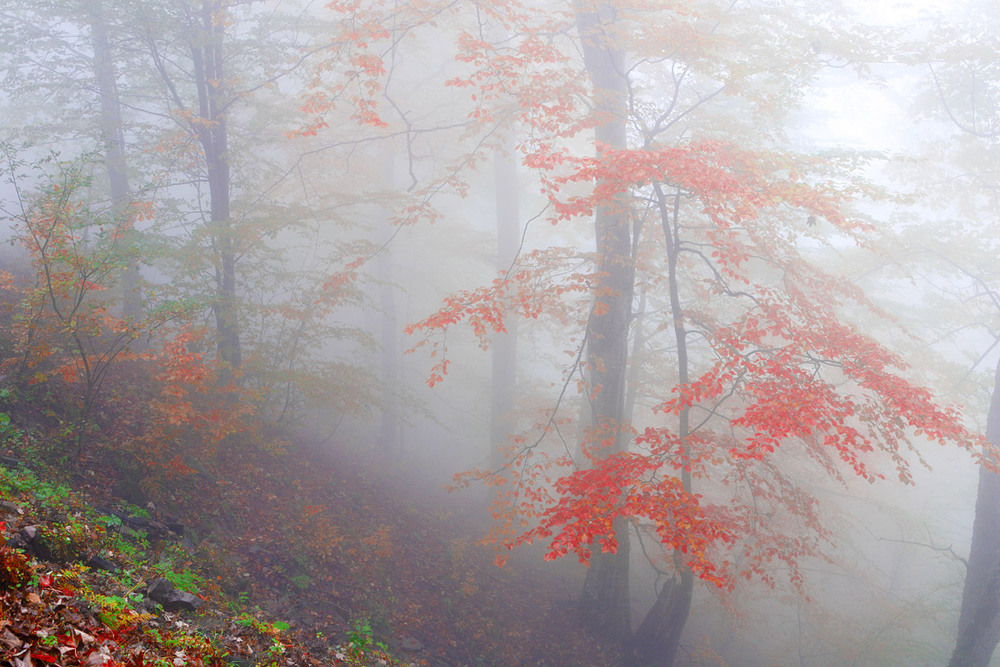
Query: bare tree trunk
(604, 604)
(112, 136)
(204, 34)
(210, 80)
(504, 350)
(658, 638)
(979, 620)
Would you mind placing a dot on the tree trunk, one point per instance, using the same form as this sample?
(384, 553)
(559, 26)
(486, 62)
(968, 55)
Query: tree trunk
(658, 638)
(504, 350)
(604, 604)
(210, 80)
(112, 136)
(979, 620)
(605, 596)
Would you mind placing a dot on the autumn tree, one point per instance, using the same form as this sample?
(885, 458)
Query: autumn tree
(67, 325)
(182, 99)
(45, 59)
(201, 104)
(700, 208)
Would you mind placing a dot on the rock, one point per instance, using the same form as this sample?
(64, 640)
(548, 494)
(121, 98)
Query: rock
(147, 606)
(157, 529)
(8, 508)
(34, 543)
(411, 644)
(172, 599)
(99, 562)
(79, 613)
(175, 527)
(9, 462)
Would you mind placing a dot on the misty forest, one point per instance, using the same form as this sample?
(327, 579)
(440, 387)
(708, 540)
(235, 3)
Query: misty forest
(501, 332)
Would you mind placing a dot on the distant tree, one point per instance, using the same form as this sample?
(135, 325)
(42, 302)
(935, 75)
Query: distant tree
(182, 100)
(68, 81)
(962, 88)
(113, 139)
(503, 372)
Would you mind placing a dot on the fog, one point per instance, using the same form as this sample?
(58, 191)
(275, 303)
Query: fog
(687, 309)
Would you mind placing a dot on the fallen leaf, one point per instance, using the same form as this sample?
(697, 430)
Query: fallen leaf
(83, 635)
(8, 639)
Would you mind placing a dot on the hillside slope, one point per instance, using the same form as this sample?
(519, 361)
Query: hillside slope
(304, 558)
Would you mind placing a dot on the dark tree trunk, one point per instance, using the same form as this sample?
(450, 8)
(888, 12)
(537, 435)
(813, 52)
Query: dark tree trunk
(204, 36)
(658, 637)
(604, 605)
(979, 620)
(210, 80)
(605, 597)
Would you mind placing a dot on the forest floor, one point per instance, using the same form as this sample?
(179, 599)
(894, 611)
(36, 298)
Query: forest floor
(301, 556)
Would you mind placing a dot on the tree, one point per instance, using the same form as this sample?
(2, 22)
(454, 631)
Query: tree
(68, 324)
(503, 375)
(45, 60)
(961, 88)
(202, 30)
(185, 96)
(768, 375)
(113, 138)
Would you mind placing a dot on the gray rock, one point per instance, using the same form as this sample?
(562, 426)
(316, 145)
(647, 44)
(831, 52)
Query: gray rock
(99, 562)
(410, 644)
(172, 599)
(35, 543)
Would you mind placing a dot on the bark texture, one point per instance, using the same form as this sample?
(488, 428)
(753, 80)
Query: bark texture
(604, 605)
(979, 620)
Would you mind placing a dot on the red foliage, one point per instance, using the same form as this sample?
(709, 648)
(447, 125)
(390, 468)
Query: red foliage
(193, 414)
(780, 376)
(778, 368)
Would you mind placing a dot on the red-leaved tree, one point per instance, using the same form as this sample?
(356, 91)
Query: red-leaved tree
(710, 239)
(718, 360)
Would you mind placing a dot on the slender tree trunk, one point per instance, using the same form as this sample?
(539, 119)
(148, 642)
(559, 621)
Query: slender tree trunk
(636, 357)
(113, 137)
(979, 620)
(504, 350)
(658, 638)
(604, 604)
(210, 80)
